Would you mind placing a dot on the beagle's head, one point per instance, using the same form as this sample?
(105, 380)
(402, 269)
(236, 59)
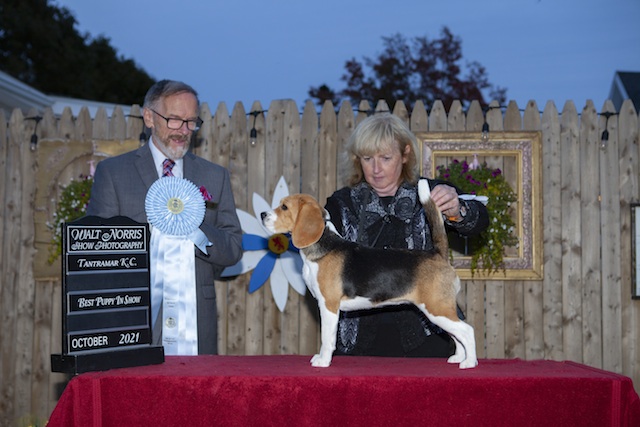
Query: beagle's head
(299, 214)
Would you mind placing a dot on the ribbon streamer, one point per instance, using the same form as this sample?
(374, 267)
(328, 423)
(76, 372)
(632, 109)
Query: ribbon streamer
(175, 208)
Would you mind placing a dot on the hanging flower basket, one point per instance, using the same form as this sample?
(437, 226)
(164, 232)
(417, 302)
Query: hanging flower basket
(71, 206)
(488, 248)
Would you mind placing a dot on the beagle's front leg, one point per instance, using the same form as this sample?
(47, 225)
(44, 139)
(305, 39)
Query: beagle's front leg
(329, 331)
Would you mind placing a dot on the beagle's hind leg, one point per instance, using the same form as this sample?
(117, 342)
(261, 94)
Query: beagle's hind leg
(464, 339)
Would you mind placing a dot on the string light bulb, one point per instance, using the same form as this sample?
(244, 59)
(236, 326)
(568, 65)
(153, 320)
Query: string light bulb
(143, 138)
(34, 137)
(604, 138)
(253, 134)
(485, 132)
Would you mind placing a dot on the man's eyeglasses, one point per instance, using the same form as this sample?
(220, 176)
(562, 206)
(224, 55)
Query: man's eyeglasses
(176, 124)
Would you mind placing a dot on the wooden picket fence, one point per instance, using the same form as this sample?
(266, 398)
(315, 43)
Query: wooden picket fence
(581, 310)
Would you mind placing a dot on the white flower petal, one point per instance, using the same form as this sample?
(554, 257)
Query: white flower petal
(281, 191)
(279, 286)
(250, 225)
(259, 205)
(248, 262)
(292, 267)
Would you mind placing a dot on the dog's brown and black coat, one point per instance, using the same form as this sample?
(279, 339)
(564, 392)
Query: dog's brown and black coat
(359, 215)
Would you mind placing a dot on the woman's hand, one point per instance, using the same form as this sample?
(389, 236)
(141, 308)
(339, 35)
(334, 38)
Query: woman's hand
(446, 199)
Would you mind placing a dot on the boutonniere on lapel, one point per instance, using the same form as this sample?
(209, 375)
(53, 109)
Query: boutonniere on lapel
(207, 197)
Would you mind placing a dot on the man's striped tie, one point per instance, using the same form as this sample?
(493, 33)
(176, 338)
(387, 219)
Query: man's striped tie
(167, 165)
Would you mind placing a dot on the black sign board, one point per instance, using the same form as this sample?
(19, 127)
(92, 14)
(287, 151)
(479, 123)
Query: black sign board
(106, 298)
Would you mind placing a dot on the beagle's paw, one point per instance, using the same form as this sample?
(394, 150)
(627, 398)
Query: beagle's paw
(469, 363)
(456, 358)
(320, 362)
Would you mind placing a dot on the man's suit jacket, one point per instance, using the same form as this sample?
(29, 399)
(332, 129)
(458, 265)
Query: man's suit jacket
(120, 188)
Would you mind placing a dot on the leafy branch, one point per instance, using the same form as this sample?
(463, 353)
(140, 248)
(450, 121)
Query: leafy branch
(71, 206)
(489, 247)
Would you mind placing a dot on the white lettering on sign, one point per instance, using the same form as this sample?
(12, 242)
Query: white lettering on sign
(89, 342)
(111, 301)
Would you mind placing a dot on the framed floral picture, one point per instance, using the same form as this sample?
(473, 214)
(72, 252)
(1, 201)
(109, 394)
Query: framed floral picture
(503, 171)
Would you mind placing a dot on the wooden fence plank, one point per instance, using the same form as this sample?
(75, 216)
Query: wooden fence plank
(118, 124)
(610, 224)
(135, 124)
(475, 117)
(43, 305)
(233, 292)
(67, 128)
(438, 118)
(533, 289)
(48, 127)
(456, 120)
(274, 158)
(552, 232)
(84, 125)
(100, 128)
(57, 381)
(328, 158)
(256, 183)
(364, 109)
(214, 144)
(475, 289)
(590, 210)
(290, 317)
(495, 289)
(309, 316)
(309, 147)
(220, 136)
(346, 124)
(25, 284)
(10, 280)
(419, 119)
(571, 234)
(514, 291)
(400, 110)
(3, 189)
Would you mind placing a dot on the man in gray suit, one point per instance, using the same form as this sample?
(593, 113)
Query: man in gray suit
(121, 183)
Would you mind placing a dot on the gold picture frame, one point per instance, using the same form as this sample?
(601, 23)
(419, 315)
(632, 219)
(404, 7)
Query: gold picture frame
(519, 156)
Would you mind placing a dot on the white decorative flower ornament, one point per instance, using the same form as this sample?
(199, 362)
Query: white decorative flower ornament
(270, 256)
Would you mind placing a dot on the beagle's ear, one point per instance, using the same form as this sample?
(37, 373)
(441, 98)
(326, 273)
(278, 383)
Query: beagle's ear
(309, 224)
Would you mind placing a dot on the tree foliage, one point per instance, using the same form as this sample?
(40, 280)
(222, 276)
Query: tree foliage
(40, 46)
(422, 69)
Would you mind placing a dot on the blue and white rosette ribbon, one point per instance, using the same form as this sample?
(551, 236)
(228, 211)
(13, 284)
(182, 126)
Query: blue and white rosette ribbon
(175, 209)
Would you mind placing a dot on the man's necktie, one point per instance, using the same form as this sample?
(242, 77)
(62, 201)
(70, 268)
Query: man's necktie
(167, 165)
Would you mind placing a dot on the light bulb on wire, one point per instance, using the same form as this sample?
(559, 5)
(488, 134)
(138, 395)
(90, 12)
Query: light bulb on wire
(485, 132)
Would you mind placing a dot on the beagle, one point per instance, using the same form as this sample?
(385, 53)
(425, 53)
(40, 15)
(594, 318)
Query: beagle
(343, 275)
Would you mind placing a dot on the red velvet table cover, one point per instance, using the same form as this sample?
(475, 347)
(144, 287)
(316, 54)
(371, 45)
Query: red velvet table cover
(354, 391)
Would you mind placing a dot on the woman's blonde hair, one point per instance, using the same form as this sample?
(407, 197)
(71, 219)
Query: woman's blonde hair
(378, 133)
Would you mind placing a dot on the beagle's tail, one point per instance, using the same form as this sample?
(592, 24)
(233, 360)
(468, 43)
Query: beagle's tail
(434, 218)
